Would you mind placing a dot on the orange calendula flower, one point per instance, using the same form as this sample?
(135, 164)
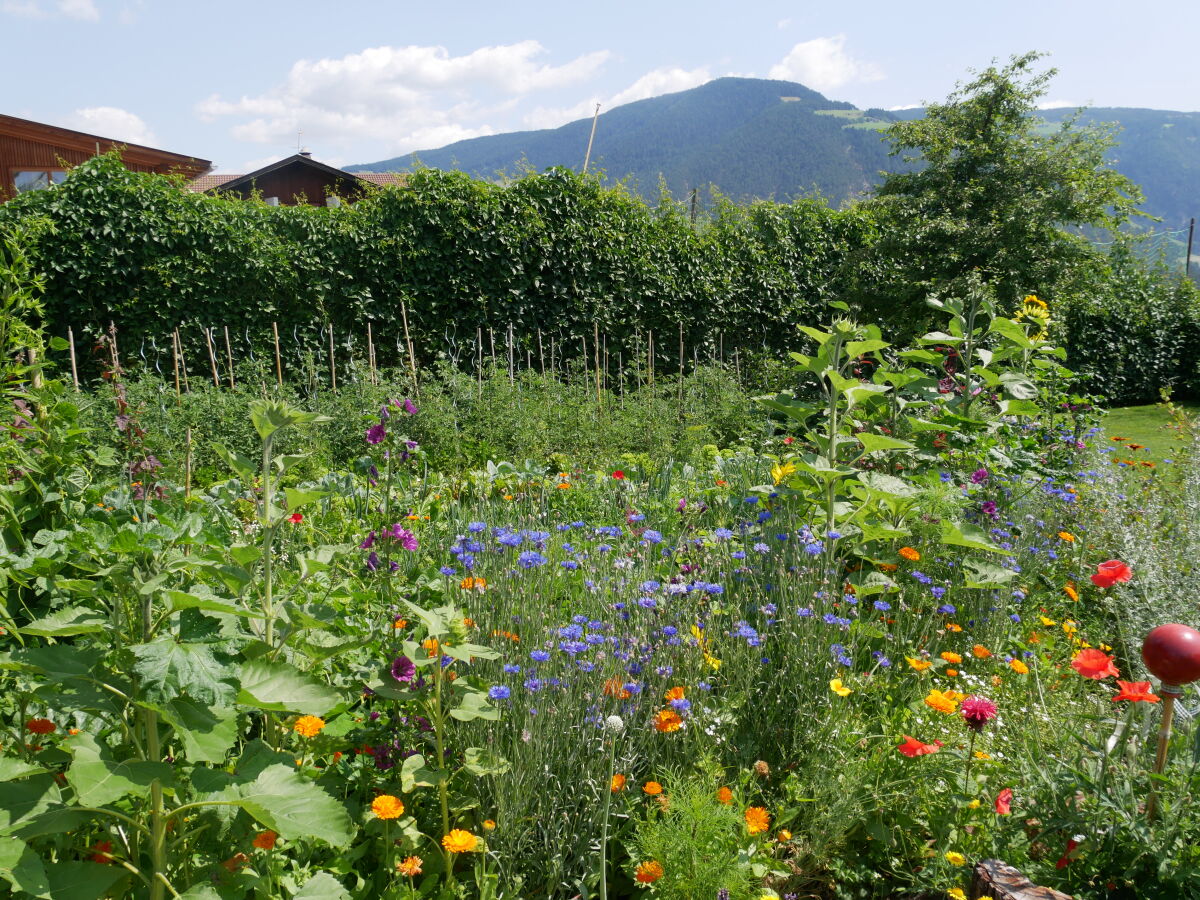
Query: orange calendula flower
(385, 806)
(1019, 667)
(235, 862)
(614, 687)
(473, 583)
(953, 626)
(910, 554)
(101, 852)
(265, 840)
(888, 567)
(675, 693)
(617, 783)
(951, 657)
(489, 825)
(1135, 692)
(943, 702)
(1069, 590)
(459, 841)
(667, 721)
(919, 664)
(952, 673)
(40, 726)
(653, 788)
(431, 646)
(308, 726)
(758, 820)
(784, 835)
(724, 796)
(648, 872)
(1067, 536)
(410, 866)
(980, 652)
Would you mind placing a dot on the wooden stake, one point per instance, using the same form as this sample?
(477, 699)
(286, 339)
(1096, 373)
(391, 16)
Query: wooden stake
(510, 353)
(371, 354)
(650, 354)
(412, 358)
(596, 358)
(187, 466)
(175, 360)
(541, 353)
(229, 356)
(212, 357)
(332, 362)
(681, 368)
(1168, 692)
(112, 346)
(74, 369)
(278, 362)
(187, 388)
(479, 358)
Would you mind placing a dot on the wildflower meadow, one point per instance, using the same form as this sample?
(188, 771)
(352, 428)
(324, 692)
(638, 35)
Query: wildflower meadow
(890, 630)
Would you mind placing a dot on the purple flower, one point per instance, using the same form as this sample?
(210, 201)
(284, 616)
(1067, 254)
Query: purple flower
(376, 433)
(368, 542)
(373, 561)
(406, 538)
(409, 407)
(988, 508)
(403, 669)
(979, 476)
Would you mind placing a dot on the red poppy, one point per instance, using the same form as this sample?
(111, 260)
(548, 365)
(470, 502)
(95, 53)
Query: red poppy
(1094, 664)
(1109, 573)
(1004, 802)
(1135, 692)
(789, 440)
(296, 518)
(912, 747)
(1066, 859)
(619, 475)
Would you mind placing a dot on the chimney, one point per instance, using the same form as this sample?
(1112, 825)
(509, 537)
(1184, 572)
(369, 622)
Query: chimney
(306, 153)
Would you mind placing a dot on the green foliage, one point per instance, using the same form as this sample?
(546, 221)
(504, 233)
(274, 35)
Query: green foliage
(992, 194)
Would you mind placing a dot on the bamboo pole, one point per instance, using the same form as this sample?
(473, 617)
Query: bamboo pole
(412, 357)
(650, 353)
(278, 360)
(212, 357)
(332, 362)
(74, 367)
(175, 360)
(187, 387)
(596, 359)
(187, 466)
(541, 353)
(681, 368)
(229, 356)
(371, 354)
(479, 359)
(510, 353)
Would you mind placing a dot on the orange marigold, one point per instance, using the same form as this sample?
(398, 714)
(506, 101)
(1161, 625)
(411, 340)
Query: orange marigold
(919, 664)
(265, 840)
(951, 657)
(667, 720)
(1019, 667)
(675, 693)
(724, 796)
(410, 866)
(653, 788)
(40, 726)
(459, 841)
(910, 554)
(308, 726)
(980, 652)
(385, 806)
(473, 583)
(617, 783)
(648, 872)
(1069, 590)
(943, 702)
(614, 687)
(758, 820)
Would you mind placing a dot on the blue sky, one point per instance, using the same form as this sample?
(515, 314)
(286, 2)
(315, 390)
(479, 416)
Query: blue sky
(234, 82)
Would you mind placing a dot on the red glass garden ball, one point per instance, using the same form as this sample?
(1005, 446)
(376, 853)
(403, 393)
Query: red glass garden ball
(1172, 653)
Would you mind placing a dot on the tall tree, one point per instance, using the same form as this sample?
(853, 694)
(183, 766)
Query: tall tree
(993, 188)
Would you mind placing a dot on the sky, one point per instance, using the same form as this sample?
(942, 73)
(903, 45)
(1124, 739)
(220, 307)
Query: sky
(244, 84)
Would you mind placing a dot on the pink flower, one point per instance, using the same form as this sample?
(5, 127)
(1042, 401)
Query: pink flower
(1109, 573)
(977, 711)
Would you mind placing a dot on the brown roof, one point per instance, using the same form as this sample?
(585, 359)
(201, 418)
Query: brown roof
(58, 136)
(208, 182)
(381, 178)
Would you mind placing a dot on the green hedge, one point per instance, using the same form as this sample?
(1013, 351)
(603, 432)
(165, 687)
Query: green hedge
(554, 252)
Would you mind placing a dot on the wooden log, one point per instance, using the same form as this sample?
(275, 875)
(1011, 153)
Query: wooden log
(1000, 881)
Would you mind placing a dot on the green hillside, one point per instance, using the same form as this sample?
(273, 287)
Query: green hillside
(756, 138)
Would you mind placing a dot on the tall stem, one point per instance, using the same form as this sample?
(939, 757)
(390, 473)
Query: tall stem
(612, 752)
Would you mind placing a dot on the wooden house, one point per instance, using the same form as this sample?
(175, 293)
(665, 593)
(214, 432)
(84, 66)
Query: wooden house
(295, 180)
(34, 155)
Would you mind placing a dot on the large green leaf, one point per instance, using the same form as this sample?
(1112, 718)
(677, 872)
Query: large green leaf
(873, 442)
(181, 600)
(66, 622)
(962, 534)
(11, 768)
(297, 499)
(24, 799)
(206, 732)
(168, 668)
(294, 807)
(322, 886)
(98, 779)
(22, 868)
(280, 687)
(74, 880)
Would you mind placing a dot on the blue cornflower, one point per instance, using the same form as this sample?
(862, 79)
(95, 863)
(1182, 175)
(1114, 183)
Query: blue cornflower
(938, 592)
(804, 612)
(647, 602)
(654, 537)
(572, 647)
(448, 570)
(569, 564)
(499, 692)
(510, 539)
(531, 559)
(539, 655)
(533, 685)
(882, 605)
(681, 706)
(738, 554)
(511, 669)
(947, 609)
(722, 534)
(574, 630)
(760, 547)
(476, 527)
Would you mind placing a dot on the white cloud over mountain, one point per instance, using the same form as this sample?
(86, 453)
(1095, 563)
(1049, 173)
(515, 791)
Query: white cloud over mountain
(823, 64)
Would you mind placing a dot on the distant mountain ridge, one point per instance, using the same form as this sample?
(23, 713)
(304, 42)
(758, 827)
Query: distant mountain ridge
(760, 138)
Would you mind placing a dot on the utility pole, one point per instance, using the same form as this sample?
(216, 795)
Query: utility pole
(587, 156)
(694, 192)
(1187, 262)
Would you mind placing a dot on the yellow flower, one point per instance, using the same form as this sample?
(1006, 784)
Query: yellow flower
(1069, 590)
(617, 783)
(956, 859)
(1067, 536)
(974, 804)
(459, 841)
(919, 664)
(1047, 622)
(308, 726)
(942, 702)
(979, 754)
(951, 657)
(489, 825)
(840, 689)
(980, 652)
(1019, 667)
(956, 894)
(385, 806)
(779, 472)
(784, 835)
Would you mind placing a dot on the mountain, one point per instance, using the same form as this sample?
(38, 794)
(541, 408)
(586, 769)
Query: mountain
(753, 137)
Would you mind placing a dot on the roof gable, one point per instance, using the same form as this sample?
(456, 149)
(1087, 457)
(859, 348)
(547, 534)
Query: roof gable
(67, 138)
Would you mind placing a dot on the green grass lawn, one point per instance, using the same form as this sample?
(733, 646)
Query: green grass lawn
(1147, 426)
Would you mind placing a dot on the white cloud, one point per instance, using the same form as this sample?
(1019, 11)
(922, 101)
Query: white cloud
(1059, 104)
(84, 10)
(666, 80)
(404, 98)
(909, 106)
(823, 64)
(783, 23)
(110, 122)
